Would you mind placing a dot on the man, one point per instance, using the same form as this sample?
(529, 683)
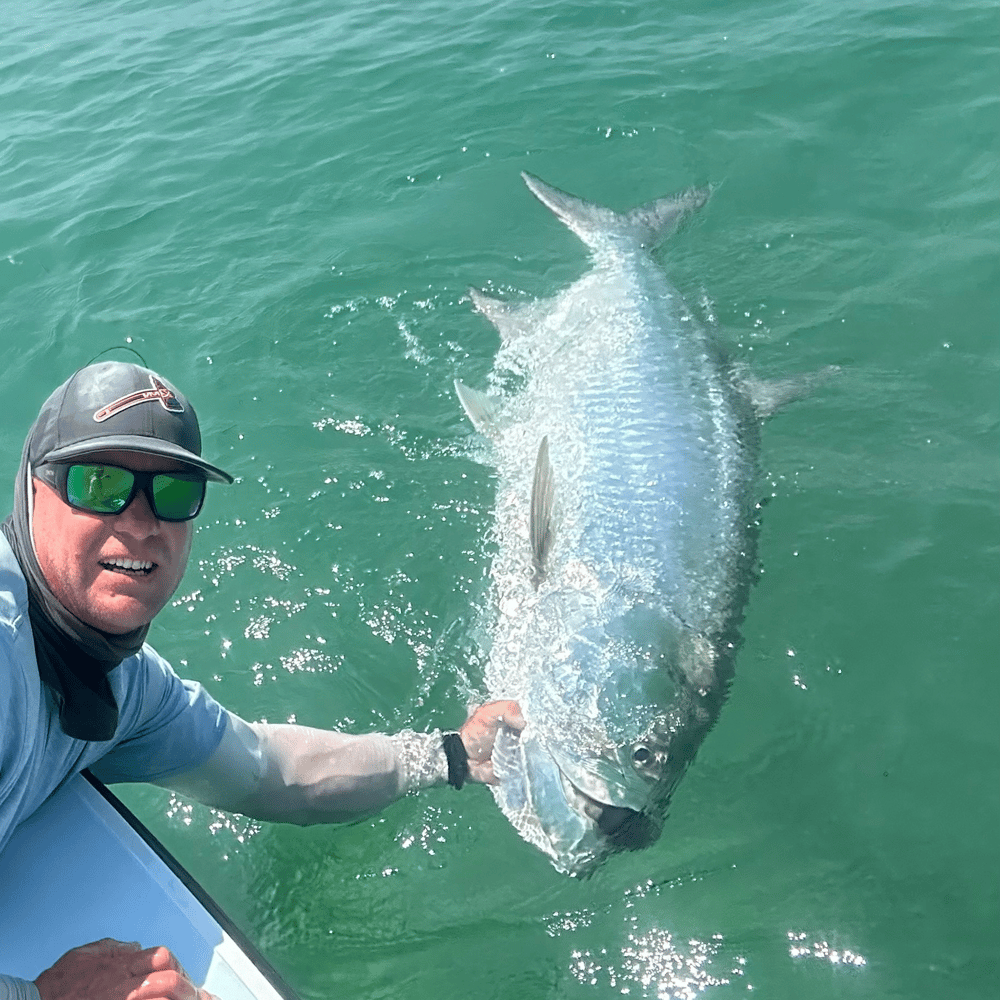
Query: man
(110, 480)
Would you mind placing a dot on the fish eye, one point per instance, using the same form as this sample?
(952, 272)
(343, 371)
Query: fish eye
(642, 755)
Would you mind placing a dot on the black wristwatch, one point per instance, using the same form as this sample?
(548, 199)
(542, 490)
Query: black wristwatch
(458, 759)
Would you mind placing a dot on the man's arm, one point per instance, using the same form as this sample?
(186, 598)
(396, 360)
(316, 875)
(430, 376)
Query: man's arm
(295, 774)
(287, 773)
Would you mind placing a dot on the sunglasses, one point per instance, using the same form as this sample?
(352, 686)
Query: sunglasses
(106, 489)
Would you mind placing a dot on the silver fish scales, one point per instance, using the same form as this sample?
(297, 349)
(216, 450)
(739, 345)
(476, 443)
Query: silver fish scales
(624, 535)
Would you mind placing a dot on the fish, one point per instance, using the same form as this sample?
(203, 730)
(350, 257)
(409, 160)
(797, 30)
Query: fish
(625, 441)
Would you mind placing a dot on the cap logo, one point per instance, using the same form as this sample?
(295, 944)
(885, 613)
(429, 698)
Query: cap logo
(158, 394)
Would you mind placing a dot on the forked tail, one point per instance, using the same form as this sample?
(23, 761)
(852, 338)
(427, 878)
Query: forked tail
(646, 226)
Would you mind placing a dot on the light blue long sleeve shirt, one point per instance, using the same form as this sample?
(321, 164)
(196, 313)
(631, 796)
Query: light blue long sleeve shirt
(166, 725)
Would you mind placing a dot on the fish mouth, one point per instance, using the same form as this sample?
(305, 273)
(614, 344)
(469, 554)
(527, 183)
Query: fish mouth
(623, 828)
(627, 829)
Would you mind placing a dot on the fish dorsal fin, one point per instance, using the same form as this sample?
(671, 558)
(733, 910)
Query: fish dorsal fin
(540, 523)
(645, 226)
(479, 407)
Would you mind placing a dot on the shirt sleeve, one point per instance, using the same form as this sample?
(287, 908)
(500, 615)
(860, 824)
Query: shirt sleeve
(166, 725)
(17, 989)
(296, 774)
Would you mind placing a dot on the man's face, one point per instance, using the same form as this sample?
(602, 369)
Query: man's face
(80, 553)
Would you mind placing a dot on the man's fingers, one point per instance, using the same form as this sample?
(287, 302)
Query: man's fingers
(162, 958)
(158, 966)
(511, 715)
(152, 960)
(507, 713)
(479, 734)
(168, 984)
(484, 773)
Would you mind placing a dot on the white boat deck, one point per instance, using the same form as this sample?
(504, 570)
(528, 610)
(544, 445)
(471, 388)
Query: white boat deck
(77, 871)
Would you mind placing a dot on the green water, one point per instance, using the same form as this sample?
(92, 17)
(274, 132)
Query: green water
(281, 207)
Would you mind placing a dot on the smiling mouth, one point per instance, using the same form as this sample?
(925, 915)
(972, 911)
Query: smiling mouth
(129, 567)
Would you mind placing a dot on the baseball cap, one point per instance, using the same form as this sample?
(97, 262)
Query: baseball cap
(115, 405)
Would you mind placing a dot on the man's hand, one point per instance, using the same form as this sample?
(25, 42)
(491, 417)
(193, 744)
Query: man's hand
(116, 970)
(480, 731)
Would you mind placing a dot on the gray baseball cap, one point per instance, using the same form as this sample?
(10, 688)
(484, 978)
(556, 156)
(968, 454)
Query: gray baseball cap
(118, 406)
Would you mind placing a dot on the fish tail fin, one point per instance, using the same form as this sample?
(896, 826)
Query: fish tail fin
(647, 226)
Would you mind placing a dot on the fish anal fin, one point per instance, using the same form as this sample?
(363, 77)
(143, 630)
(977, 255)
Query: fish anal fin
(480, 408)
(540, 521)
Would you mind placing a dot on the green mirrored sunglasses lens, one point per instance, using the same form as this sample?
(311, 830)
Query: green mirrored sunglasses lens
(99, 488)
(177, 499)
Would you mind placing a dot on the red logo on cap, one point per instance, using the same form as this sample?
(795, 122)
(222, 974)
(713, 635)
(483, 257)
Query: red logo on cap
(159, 393)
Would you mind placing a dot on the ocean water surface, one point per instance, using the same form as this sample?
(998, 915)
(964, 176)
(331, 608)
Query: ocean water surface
(281, 207)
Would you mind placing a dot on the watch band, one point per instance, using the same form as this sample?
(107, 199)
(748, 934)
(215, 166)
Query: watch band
(458, 759)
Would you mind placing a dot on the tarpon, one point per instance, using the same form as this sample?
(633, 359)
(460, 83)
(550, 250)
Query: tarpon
(625, 443)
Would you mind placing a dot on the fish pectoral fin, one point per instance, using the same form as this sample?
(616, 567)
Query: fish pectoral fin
(540, 522)
(495, 310)
(769, 395)
(479, 407)
(509, 318)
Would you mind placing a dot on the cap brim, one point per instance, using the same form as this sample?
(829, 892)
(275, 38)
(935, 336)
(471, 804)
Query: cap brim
(144, 445)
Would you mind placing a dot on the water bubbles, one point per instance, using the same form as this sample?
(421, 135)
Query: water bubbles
(822, 950)
(352, 426)
(559, 923)
(258, 627)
